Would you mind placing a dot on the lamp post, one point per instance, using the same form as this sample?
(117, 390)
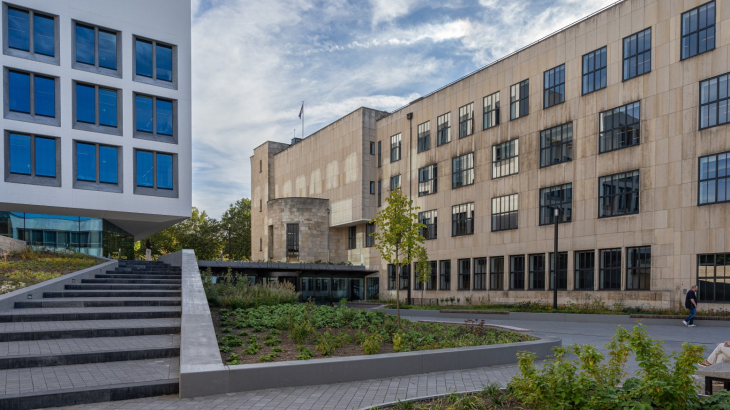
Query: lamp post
(328, 235)
(229, 245)
(555, 261)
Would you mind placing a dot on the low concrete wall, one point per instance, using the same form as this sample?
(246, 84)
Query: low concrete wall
(35, 292)
(10, 244)
(175, 259)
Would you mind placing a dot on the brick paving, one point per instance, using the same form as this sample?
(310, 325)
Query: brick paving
(86, 324)
(86, 345)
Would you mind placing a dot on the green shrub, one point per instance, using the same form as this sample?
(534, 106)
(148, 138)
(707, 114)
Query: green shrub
(231, 341)
(234, 359)
(235, 292)
(326, 344)
(301, 331)
(252, 349)
(304, 353)
(371, 344)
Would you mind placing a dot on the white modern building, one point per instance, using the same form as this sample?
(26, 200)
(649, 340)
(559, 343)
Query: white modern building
(96, 120)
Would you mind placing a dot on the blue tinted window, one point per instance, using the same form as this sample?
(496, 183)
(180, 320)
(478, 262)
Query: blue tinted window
(107, 50)
(143, 50)
(86, 162)
(19, 154)
(43, 33)
(45, 157)
(45, 96)
(145, 176)
(84, 44)
(108, 165)
(85, 104)
(107, 107)
(18, 29)
(164, 63)
(144, 114)
(164, 117)
(19, 84)
(164, 171)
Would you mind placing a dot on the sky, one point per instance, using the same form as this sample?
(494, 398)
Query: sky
(255, 61)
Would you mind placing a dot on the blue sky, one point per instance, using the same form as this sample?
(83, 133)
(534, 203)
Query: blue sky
(254, 61)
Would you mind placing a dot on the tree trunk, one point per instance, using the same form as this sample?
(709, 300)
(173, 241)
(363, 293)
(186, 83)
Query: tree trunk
(397, 285)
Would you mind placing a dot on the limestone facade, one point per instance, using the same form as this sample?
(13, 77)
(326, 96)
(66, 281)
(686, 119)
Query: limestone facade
(335, 164)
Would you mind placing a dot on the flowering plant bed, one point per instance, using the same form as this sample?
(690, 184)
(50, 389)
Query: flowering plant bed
(22, 269)
(306, 331)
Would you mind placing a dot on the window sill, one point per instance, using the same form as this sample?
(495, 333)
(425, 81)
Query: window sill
(554, 105)
(169, 139)
(520, 117)
(36, 119)
(616, 216)
(162, 193)
(698, 54)
(101, 129)
(636, 76)
(462, 186)
(33, 180)
(617, 149)
(591, 92)
(153, 81)
(98, 186)
(503, 230)
(96, 69)
(27, 55)
(557, 163)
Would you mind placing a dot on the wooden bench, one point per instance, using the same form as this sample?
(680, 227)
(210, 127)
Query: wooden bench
(716, 372)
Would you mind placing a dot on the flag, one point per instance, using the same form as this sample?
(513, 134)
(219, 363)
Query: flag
(301, 111)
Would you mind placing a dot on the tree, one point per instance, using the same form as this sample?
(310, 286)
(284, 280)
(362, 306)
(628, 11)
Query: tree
(200, 233)
(423, 269)
(398, 235)
(238, 217)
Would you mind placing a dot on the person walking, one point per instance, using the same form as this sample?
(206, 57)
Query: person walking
(690, 302)
(148, 250)
(721, 354)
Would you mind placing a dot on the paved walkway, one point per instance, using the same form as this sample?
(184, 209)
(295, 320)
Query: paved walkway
(361, 394)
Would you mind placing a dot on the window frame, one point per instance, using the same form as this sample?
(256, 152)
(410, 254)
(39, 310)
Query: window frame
(96, 68)
(351, 238)
(496, 275)
(98, 185)
(499, 202)
(380, 154)
(558, 73)
(392, 276)
(154, 136)
(464, 274)
(423, 137)
(464, 173)
(154, 190)
(636, 55)
(380, 193)
(488, 113)
(644, 272)
(443, 127)
(709, 293)
(466, 120)
(97, 126)
(445, 277)
(512, 162)
(372, 187)
(514, 272)
(292, 240)
(395, 148)
(431, 183)
(622, 128)
(32, 116)
(618, 196)
(30, 54)
(154, 80)
(580, 270)
(551, 206)
(614, 271)
(427, 216)
(369, 240)
(714, 179)
(565, 144)
(32, 179)
(593, 72)
(562, 275)
(395, 182)
(718, 101)
(682, 36)
(520, 99)
(468, 228)
(533, 278)
(372, 148)
(480, 273)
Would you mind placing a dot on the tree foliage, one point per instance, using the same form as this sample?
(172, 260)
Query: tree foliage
(398, 235)
(238, 218)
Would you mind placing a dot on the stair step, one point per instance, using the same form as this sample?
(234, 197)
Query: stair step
(98, 302)
(88, 313)
(142, 272)
(123, 286)
(132, 276)
(45, 387)
(112, 293)
(136, 281)
(20, 331)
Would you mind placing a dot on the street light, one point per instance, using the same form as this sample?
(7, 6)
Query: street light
(229, 244)
(555, 262)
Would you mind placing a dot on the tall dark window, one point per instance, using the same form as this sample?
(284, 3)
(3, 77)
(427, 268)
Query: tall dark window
(561, 197)
(462, 219)
(698, 30)
(153, 60)
(466, 120)
(443, 132)
(713, 277)
(464, 274)
(380, 154)
(31, 156)
(504, 212)
(714, 180)
(292, 240)
(714, 98)
(585, 270)
(519, 100)
(424, 136)
(462, 170)
(404, 278)
(609, 273)
(556, 145)
(394, 182)
(506, 159)
(491, 110)
(537, 272)
(39, 40)
(391, 277)
(380, 194)
(638, 268)
(496, 273)
(352, 237)
(444, 275)
(372, 187)
(554, 86)
(517, 272)
(395, 148)
(562, 270)
(620, 127)
(594, 71)
(428, 180)
(95, 47)
(431, 284)
(369, 239)
(430, 219)
(637, 54)
(618, 194)
(480, 274)
(40, 102)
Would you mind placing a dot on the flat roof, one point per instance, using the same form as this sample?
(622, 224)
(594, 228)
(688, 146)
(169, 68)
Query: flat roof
(284, 267)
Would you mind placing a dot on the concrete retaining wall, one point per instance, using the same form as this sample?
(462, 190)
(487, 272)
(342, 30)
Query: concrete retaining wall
(7, 301)
(10, 244)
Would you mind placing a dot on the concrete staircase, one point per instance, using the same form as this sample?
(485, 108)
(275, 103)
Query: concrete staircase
(113, 337)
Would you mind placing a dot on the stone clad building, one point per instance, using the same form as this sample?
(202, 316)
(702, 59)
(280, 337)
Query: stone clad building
(617, 122)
